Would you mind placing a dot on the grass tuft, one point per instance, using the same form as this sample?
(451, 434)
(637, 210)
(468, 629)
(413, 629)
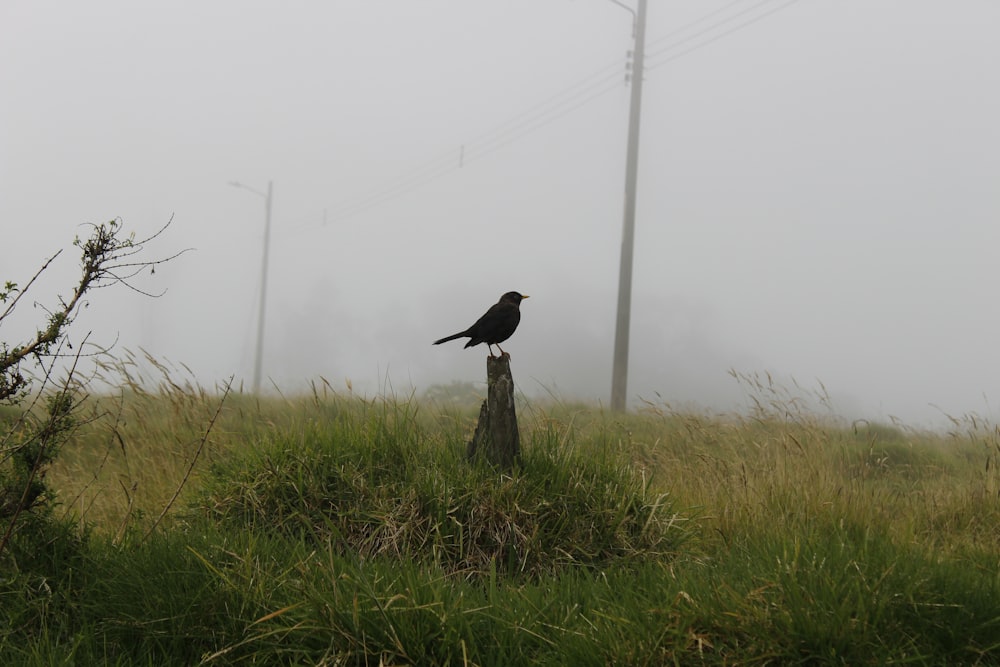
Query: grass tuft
(373, 484)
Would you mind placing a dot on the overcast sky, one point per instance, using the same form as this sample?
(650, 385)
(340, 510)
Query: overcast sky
(819, 189)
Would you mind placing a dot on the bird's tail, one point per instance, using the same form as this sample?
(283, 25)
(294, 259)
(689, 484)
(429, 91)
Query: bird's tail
(451, 337)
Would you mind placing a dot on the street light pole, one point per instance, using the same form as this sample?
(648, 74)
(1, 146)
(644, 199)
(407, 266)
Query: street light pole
(619, 372)
(262, 310)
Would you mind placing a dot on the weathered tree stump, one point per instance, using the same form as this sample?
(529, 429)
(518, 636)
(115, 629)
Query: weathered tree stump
(496, 438)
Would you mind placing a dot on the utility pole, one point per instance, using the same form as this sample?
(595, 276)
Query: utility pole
(258, 359)
(262, 310)
(619, 372)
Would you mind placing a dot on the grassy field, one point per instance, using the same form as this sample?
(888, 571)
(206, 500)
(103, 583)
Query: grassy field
(333, 529)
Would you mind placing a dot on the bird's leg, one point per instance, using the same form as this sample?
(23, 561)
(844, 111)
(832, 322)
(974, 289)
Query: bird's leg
(489, 346)
(502, 353)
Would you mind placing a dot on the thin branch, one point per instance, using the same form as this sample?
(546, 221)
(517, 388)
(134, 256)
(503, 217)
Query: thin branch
(107, 453)
(21, 291)
(48, 433)
(102, 253)
(194, 460)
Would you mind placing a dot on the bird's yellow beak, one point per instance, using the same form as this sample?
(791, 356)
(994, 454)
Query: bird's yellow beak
(524, 296)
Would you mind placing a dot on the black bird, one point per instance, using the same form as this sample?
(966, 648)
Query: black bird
(495, 326)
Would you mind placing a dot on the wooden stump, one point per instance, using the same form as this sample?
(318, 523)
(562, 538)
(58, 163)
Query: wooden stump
(496, 437)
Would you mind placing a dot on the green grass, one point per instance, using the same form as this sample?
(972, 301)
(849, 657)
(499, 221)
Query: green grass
(331, 529)
(373, 483)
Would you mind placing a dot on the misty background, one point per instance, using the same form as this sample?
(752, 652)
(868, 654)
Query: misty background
(818, 198)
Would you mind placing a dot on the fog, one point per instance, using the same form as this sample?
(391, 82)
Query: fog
(818, 194)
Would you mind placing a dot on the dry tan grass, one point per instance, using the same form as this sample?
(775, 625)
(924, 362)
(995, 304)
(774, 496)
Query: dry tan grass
(780, 464)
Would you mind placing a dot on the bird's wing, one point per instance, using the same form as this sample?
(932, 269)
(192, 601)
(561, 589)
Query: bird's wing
(497, 313)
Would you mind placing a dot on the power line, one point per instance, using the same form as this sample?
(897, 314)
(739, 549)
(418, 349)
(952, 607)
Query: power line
(573, 91)
(403, 186)
(686, 26)
(550, 109)
(718, 36)
(582, 98)
(489, 142)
